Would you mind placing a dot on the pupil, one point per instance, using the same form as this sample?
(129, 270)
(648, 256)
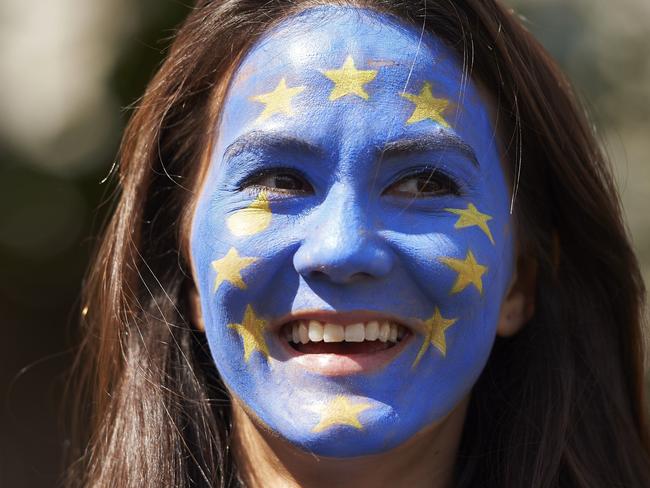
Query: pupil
(426, 184)
(287, 182)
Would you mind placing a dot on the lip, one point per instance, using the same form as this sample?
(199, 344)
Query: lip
(342, 364)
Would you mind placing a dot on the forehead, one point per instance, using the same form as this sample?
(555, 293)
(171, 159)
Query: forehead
(395, 60)
(307, 39)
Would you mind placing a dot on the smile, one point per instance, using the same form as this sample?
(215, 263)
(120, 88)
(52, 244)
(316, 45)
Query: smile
(335, 344)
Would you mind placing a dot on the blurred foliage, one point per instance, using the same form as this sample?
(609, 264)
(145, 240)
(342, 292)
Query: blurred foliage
(53, 194)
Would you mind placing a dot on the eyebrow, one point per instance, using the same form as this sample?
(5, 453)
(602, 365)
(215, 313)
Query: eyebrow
(442, 140)
(258, 140)
(264, 141)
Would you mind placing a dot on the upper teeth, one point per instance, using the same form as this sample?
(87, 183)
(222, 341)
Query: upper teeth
(304, 331)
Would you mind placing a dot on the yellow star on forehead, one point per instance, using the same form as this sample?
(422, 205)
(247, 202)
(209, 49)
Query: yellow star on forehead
(229, 269)
(435, 329)
(427, 106)
(251, 331)
(340, 411)
(471, 216)
(278, 101)
(469, 272)
(348, 80)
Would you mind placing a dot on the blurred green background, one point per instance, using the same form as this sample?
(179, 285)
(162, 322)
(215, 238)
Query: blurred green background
(68, 71)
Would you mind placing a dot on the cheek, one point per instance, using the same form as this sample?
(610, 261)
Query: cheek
(237, 254)
(464, 277)
(454, 263)
(242, 254)
(462, 271)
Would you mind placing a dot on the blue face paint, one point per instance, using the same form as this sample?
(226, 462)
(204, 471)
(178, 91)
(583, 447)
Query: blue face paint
(356, 179)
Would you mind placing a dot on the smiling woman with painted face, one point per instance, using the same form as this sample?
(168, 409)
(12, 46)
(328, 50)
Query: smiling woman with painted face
(390, 254)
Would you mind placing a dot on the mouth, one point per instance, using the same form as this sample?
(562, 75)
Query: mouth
(343, 344)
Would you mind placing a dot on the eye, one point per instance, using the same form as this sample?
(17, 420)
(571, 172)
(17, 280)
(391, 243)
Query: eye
(424, 183)
(279, 181)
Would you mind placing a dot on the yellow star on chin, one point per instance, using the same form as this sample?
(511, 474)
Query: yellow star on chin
(471, 216)
(251, 331)
(348, 80)
(229, 269)
(435, 329)
(278, 101)
(469, 272)
(340, 412)
(427, 106)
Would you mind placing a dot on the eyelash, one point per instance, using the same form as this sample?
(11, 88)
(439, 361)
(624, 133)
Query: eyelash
(253, 180)
(446, 183)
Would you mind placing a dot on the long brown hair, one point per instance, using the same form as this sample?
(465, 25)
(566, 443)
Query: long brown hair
(560, 404)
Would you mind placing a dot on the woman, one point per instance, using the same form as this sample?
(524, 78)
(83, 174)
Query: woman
(392, 185)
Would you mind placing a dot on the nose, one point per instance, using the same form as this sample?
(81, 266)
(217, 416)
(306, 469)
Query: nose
(340, 244)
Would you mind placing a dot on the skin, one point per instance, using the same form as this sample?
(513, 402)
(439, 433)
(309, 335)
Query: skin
(347, 202)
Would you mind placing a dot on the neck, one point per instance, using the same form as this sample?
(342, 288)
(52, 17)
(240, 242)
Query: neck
(426, 460)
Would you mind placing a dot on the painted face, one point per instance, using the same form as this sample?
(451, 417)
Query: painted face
(351, 242)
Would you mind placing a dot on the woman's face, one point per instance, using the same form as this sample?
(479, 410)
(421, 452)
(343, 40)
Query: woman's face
(352, 242)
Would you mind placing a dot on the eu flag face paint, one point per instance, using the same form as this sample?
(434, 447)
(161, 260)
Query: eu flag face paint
(352, 241)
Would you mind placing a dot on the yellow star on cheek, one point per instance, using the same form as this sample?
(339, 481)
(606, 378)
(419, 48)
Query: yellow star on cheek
(340, 412)
(251, 331)
(471, 216)
(229, 269)
(348, 80)
(427, 106)
(434, 335)
(278, 101)
(469, 272)
(252, 219)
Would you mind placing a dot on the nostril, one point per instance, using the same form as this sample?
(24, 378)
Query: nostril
(337, 275)
(362, 275)
(318, 274)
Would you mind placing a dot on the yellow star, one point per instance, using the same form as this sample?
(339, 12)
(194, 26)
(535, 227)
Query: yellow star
(426, 106)
(277, 101)
(340, 412)
(229, 269)
(435, 335)
(471, 216)
(348, 80)
(469, 272)
(252, 219)
(251, 331)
